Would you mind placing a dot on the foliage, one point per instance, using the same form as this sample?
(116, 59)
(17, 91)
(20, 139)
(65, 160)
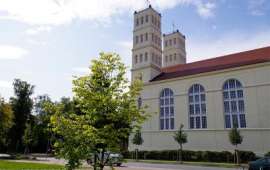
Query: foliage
(137, 139)
(106, 114)
(181, 138)
(22, 106)
(267, 154)
(235, 136)
(235, 139)
(41, 129)
(6, 122)
(194, 156)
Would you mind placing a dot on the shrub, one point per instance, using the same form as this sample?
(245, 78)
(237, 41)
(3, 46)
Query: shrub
(267, 154)
(198, 156)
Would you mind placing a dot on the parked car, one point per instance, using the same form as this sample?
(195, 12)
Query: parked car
(260, 164)
(114, 159)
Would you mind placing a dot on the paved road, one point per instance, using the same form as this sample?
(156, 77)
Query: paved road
(148, 166)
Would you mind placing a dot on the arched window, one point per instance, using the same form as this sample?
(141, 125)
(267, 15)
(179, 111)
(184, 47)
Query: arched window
(197, 107)
(166, 109)
(234, 105)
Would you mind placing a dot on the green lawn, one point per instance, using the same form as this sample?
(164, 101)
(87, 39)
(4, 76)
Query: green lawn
(212, 164)
(11, 165)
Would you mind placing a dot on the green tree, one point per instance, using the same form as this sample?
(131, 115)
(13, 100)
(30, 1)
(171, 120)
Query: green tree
(181, 138)
(235, 139)
(137, 140)
(107, 113)
(22, 105)
(6, 122)
(41, 129)
(27, 138)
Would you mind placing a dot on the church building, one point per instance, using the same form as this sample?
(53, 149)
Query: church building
(208, 97)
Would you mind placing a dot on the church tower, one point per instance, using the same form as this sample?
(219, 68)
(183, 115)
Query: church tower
(147, 50)
(174, 51)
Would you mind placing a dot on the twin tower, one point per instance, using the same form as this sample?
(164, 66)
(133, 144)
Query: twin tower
(149, 56)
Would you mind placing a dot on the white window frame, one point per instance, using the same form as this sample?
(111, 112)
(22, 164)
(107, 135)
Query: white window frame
(238, 113)
(192, 94)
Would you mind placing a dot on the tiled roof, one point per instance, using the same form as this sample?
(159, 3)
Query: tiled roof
(219, 63)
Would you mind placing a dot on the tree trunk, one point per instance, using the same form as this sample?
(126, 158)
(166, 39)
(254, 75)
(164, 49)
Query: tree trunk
(95, 161)
(136, 155)
(180, 154)
(101, 164)
(237, 156)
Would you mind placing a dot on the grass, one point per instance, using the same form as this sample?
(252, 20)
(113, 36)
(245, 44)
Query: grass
(209, 164)
(11, 165)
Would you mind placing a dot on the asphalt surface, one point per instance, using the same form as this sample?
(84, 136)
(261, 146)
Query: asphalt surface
(149, 166)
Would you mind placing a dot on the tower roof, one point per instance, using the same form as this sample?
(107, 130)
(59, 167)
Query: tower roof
(149, 7)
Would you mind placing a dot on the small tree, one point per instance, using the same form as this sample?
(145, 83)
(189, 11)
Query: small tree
(235, 139)
(181, 138)
(137, 140)
(107, 113)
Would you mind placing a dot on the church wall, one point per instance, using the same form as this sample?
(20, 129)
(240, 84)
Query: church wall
(256, 83)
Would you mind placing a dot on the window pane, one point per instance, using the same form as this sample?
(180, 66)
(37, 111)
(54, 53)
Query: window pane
(242, 121)
(167, 123)
(226, 86)
(203, 107)
(197, 109)
(172, 111)
(232, 94)
(166, 111)
(235, 121)
(227, 121)
(198, 122)
(171, 101)
(226, 107)
(204, 122)
(196, 88)
(161, 112)
(171, 93)
(191, 90)
(196, 98)
(191, 122)
(238, 84)
(240, 93)
(161, 124)
(172, 123)
(232, 84)
(203, 97)
(233, 106)
(191, 109)
(166, 92)
(190, 99)
(166, 101)
(241, 106)
(226, 95)
(161, 102)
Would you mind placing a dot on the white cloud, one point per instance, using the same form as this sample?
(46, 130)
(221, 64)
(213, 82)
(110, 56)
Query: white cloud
(57, 12)
(227, 44)
(257, 7)
(5, 84)
(8, 52)
(38, 29)
(205, 10)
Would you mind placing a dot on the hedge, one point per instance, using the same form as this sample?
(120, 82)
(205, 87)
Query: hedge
(198, 156)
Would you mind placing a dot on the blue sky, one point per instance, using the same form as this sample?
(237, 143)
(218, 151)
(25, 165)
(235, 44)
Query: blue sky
(46, 42)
